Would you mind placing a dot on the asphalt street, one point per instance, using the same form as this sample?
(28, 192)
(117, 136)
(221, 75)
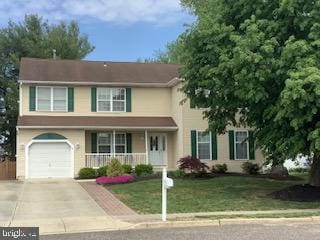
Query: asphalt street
(294, 231)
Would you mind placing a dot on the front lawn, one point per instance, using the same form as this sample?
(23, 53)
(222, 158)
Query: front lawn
(199, 195)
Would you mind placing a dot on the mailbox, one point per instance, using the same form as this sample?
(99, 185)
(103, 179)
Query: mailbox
(168, 182)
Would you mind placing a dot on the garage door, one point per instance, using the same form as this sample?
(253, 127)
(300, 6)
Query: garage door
(49, 160)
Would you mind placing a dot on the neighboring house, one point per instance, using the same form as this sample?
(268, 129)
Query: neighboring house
(76, 114)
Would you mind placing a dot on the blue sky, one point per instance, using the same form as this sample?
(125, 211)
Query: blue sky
(121, 30)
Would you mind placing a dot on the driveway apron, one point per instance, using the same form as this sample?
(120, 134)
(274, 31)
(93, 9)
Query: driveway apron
(53, 205)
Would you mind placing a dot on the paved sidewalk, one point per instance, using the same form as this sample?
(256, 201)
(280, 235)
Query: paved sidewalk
(177, 216)
(107, 201)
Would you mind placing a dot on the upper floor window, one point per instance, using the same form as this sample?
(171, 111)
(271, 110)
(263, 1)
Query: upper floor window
(204, 145)
(111, 99)
(241, 145)
(52, 99)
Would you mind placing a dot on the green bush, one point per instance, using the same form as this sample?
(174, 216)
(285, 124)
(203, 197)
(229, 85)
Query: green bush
(87, 173)
(102, 171)
(219, 168)
(127, 168)
(178, 173)
(143, 169)
(114, 168)
(250, 168)
(299, 170)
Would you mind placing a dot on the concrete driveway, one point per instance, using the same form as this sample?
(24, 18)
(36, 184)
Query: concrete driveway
(53, 205)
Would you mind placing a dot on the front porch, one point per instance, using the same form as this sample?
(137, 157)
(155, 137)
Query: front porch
(96, 160)
(128, 146)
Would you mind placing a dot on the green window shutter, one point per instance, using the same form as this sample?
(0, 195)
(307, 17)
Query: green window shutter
(251, 146)
(231, 145)
(128, 99)
(193, 143)
(129, 142)
(32, 98)
(94, 142)
(214, 147)
(70, 99)
(93, 99)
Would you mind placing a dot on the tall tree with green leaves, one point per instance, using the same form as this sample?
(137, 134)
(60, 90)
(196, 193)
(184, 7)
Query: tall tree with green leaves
(173, 53)
(260, 59)
(33, 37)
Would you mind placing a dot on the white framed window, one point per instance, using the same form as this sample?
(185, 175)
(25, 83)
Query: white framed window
(105, 142)
(54, 99)
(120, 146)
(241, 145)
(111, 99)
(204, 145)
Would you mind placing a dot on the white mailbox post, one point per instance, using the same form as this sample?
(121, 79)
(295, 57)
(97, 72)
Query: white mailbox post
(166, 183)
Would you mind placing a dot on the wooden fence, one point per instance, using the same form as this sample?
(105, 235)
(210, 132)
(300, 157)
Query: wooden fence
(7, 169)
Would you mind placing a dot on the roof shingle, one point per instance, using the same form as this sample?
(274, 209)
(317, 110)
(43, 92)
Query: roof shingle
(79, 71)
(107, 122)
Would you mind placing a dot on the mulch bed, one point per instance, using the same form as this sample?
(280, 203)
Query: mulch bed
(268, 176)
(298, 193)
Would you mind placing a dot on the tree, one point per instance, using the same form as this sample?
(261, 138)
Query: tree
(173, 53)
(260, 60)
(31, 38)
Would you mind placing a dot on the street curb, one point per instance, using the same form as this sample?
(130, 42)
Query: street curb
(222, 222)
(200, 223)
(176, 224)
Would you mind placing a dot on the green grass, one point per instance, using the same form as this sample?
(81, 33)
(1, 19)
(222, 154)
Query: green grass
(217, 194)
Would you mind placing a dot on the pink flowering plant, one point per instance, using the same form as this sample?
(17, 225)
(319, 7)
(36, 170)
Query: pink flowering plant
(114, 180)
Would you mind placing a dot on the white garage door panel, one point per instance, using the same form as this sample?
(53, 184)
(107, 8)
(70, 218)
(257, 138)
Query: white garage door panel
(49, 160)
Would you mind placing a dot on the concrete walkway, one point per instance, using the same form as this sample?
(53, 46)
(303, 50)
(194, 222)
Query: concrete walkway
(56, 206)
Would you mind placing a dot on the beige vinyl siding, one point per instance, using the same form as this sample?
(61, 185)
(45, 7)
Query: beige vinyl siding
(73, 136)
(145, 102)
(177, 136)
(192, 119)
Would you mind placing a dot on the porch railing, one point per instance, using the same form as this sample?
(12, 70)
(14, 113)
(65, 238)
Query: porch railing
(96, 160)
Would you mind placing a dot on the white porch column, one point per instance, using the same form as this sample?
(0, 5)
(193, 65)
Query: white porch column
(146, 145)
(114, 143)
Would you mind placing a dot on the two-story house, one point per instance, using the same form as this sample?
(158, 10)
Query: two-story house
(75, 114)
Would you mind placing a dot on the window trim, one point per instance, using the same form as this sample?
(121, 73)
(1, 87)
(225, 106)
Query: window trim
(111, 100)
(98, 145)
(51, 99)
(112, 151)
(235, 145)
(210, 145)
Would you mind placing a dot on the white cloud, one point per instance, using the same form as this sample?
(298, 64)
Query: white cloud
(113, 11)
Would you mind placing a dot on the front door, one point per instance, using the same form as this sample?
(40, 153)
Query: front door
(158, 149)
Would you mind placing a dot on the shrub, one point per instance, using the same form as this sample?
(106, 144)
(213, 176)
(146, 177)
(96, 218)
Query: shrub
(87, 173)
(250, 168)
(299, 170)
(178, 173)
(143, 169)
(219, 168)
(127, 168)
(114, 180)
(102, 171)
(192, 164)
(115, 168)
